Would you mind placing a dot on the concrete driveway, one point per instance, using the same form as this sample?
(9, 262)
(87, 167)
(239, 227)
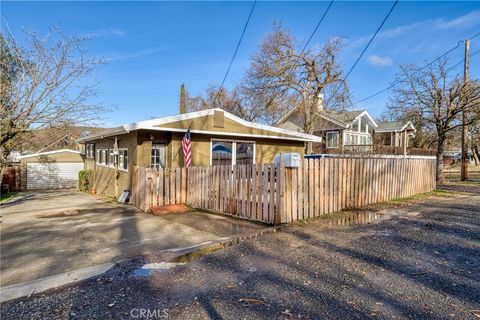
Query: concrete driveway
(49, 233)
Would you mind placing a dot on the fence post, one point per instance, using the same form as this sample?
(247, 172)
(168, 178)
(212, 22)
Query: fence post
(280, 194)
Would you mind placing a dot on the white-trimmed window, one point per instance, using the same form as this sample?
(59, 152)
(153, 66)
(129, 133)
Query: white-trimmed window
(102, 157)
(157, 159)
(123, 159)
(111, 158)
(332, 139)
(232, 152)
(90, 150)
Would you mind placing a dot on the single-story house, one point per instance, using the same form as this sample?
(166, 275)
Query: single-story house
(56, 169)
(218, 137)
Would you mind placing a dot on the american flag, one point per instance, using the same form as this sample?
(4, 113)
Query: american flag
(187, 148)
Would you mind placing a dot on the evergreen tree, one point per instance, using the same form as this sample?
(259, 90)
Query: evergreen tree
(183, 99)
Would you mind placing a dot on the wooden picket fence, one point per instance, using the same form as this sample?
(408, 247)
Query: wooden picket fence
(273, 194)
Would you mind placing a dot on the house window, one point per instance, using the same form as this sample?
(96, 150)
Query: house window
(225, 152)
(244, 152)
(354, 139)
(348, 139)
(112, 160)
(158, 156)
(222, 152)
(332, 139)
(355, 125)
(363, 140)
(363, 126)
(89, 150)
(102, 156)
(123, 159)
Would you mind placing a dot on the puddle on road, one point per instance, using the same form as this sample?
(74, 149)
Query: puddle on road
(354, 218)
(147, 269)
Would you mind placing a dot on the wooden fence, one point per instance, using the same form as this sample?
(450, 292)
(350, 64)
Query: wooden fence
(274, 194)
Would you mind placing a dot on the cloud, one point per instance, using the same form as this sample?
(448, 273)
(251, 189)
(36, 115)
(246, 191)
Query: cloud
(105, 32)
(466, 21)
(379, 61)
(133, 55)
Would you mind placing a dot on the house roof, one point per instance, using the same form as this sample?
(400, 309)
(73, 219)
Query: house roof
(343, 119)
(171, 123)
(391, 126)
(47, 153)
(346, 116)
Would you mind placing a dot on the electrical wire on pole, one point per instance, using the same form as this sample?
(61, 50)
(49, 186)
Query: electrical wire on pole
(427, 65)
(238, 44)
(365, 49)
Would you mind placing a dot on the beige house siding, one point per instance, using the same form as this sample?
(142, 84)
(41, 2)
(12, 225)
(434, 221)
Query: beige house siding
(206, 123)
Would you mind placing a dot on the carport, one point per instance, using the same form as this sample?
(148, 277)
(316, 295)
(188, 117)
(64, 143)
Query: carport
(51, 170)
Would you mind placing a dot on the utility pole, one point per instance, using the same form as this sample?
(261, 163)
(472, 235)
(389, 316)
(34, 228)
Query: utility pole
(464, 169)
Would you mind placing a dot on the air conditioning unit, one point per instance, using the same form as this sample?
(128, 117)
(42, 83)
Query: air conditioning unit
(290, 160)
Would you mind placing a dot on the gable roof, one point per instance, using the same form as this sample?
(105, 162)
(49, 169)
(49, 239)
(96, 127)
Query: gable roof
(161, 124)
(343, 119)
(390, 126)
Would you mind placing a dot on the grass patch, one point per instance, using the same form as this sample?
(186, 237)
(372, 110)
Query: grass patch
(381, 206)
(6, 197)
(422, 196)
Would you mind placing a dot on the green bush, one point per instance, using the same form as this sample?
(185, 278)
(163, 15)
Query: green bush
(84, 180)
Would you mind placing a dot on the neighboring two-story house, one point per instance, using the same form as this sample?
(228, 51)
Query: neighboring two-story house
(352, 132)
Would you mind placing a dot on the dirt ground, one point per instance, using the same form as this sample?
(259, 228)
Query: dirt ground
(417, 261)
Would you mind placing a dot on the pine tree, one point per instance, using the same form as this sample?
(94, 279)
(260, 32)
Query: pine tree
(183, 100)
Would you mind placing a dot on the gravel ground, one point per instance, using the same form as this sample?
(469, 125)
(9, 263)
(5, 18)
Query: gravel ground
(418, 261)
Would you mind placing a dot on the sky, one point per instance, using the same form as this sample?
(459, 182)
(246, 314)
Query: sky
(152, 47)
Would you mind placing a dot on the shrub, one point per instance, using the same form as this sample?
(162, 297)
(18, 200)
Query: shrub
(84, 180)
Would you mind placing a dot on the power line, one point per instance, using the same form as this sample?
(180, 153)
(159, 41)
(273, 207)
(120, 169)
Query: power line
(238, 44)
(310, 38)
(316, 28)
(425, 66)
(366, 47)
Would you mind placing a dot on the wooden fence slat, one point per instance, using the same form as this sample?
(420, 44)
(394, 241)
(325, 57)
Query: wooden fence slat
(272, 193)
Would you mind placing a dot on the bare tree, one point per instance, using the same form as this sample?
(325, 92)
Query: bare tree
(474, 131)
(437, 96)
(47, 83)
(283, 73)
(239, 101)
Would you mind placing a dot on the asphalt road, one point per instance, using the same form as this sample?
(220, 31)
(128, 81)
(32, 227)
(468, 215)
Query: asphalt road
(421, 261)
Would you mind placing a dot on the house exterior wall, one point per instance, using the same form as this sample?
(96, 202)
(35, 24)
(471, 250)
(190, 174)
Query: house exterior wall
(229, 127)
(139, 145)
(104, 177)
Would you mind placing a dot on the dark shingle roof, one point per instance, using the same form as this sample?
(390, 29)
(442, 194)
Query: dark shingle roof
(104, 133)
(391, 125)
(345, 116)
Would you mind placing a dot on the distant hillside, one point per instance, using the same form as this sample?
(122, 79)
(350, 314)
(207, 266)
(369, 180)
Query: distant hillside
(55, 138)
